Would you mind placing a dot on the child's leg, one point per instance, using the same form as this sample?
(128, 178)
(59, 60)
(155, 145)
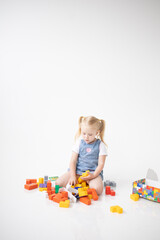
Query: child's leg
(97, 183)
(63, 180)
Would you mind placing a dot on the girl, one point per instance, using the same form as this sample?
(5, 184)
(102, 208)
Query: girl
(88, 153)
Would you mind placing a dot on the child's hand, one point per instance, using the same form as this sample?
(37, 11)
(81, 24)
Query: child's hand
(72, 180)
(89, 177)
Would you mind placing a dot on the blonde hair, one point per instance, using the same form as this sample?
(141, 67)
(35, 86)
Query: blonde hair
(90, 120)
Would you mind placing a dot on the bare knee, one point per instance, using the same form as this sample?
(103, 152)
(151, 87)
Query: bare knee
(99, 190)
(97, 185)
(63, 180)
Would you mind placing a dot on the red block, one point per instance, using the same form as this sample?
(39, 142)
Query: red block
(108, 190)
(113, 193)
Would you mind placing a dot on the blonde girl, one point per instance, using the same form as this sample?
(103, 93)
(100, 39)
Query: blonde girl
(88, 153)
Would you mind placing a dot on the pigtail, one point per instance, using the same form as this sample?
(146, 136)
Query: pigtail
(102, 130)
(79, 128)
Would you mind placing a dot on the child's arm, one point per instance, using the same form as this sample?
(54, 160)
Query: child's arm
(101, 162)
(73, 162)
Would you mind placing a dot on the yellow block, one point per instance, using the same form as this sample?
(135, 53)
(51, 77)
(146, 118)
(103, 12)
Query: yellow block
(83, 184)
(135, 185)
(78, 185)
(155, 190)
(85, 174)
(117, 209)
(41, 180)
(85, 188)
(64, 204)
(82, 192)
(134, 197)
(90, 196)
(80, 180)
(42, 189)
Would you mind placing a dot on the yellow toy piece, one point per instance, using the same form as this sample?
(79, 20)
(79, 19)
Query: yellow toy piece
(82, 192)
(78, 185)
(42, 189)
(41, 180)
(117, 209)
(85, 188)
(85, 174)
(84, 184)
(64, 204)
(80, 180)
(90, 196)
(134, 196)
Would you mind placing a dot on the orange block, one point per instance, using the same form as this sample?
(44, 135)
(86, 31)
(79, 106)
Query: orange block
(49, 185)
(31, 186)
(59, 197)
(29, 181)
(85, 200)
(64, 194)
(94, 193)
(52, 196)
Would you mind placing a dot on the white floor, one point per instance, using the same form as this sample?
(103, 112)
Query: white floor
(30, 215)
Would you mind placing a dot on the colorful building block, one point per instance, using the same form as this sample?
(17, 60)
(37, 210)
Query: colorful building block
(117, 209)
(134, 196)
(85, 200)
(64, 204)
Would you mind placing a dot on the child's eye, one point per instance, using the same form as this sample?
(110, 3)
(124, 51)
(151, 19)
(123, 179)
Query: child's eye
(84, 133)
(90, 135)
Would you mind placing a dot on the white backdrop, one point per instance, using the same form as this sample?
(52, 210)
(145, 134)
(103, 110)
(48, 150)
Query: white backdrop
(63, 59)
(60, 60)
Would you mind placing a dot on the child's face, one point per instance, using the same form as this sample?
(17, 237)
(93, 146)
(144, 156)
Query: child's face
(88, 133)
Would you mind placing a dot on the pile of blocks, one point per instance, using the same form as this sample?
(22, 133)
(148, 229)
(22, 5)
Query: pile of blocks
(61, 195)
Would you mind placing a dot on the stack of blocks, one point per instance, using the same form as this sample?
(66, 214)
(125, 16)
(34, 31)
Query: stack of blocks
(110, 191)
(31, 184)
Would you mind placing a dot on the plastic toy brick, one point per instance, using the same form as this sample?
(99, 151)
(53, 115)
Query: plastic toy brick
(90, 196)
(117, 209)
(109, 183)
(42, 185)
(108, 190)
(82, 192)
(29, 181)
(85, 200)
(85, 174)
(49, 185)
(113, 193)
(64, 194)
(56, 188)
(60, 197)
(52, 196)
(64, 204)
(31, 186)
(41, 180)
(80, 180)
(42, 189)
(53, 178)
(94, 193)
(78, 185)
(134, 197)
(83, 184)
